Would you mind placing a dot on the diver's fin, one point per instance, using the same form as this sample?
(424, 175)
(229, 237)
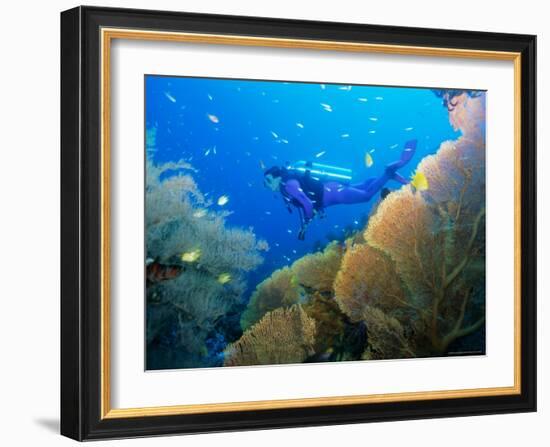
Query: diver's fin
(406, 156)
(399, 178)
(366, 183)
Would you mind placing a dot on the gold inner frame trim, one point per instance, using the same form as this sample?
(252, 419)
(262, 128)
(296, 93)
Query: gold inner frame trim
(107, 35)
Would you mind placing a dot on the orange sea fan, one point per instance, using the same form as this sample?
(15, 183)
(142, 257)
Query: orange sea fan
(387, 337)
(402, 228)
(281, 336)
(367, 277)
(279, 290)
(317, 271)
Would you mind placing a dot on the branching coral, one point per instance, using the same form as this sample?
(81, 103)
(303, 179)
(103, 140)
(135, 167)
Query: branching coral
(279, 290)
(317, 271)
(176, 223)
(285, 335)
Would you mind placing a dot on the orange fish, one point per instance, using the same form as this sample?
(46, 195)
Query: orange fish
(157, 272)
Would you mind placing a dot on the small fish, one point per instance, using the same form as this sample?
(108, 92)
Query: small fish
(345, 88)
(326, 107)
(255, 138)
(191, 256)
(356, 222)
(214, 150)
(206, 152)
(247, 153)
(284, 141)
(222, 200)
(379, 98)
(157, 272)
(362, 99)
(328, 189)
(289, 231)
(372, 131)
(320, 154)
(275, 101)
(419, 181)
(268, 213)
(345, 135)
(199, 213)
(224, 278)
(323, 86)
(393, 146)
(213, 118)
(407, 129)
(262, 165)
(300, 125)
(372, 151)
(170, 97)
(294, 251)
(372, 118)
(210, 97)
(274, 134)
(368, 160)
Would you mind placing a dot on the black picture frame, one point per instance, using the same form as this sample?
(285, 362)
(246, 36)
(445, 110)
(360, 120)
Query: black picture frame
(81, 208)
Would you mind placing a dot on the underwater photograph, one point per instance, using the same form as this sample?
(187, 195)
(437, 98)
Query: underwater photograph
(295, 222)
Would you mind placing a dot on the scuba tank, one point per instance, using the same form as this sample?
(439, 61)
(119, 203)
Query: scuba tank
(321, 171)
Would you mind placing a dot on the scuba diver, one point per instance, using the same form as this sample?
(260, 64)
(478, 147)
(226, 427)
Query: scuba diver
(312, 187)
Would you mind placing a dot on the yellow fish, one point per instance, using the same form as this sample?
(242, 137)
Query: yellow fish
(368, 160)
(213, 118)
(224, 278)
(419, 181)
(223, 200)
(191, 256)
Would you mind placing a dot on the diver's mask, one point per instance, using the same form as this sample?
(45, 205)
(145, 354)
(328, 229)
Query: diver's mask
(271, 182)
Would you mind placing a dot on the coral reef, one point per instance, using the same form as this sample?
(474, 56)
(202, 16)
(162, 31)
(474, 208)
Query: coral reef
(367, 277)
(418, 281)
(192, 293)
(290, 285)
(331, 322)
(317, 271)
(449, 96)
(387, 338)
(284, 335)
(279, 290)
(410, 284)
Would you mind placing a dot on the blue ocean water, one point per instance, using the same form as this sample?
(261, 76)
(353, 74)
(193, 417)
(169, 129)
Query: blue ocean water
(231, 130)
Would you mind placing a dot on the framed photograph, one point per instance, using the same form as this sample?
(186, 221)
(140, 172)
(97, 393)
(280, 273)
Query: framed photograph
(276, 223)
